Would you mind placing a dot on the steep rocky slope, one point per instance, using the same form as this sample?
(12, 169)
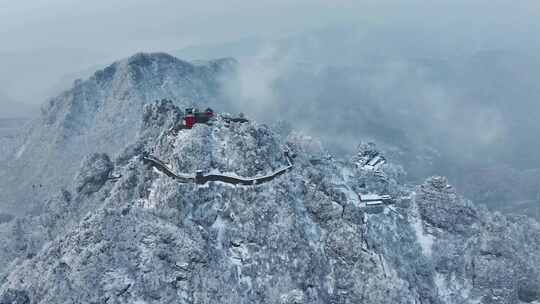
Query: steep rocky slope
(101, 114)
(122, 232)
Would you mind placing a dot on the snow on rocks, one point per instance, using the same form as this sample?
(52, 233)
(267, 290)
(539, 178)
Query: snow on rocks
(302, 238)
(95, 171)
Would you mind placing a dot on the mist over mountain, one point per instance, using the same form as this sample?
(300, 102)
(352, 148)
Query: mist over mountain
(459, 110)
(447, 87)
(461, 104)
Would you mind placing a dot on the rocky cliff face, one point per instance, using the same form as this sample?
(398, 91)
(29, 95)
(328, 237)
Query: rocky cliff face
(101, 114)
(122, 232)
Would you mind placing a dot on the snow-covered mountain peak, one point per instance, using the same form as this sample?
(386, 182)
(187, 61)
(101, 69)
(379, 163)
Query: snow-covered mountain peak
(103, 114)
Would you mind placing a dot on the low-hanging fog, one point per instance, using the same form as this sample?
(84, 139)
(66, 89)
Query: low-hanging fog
(448, 88)
(465, 107)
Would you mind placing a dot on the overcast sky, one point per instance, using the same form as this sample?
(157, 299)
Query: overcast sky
(125, 26)
(45, 42)
(118, 27)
